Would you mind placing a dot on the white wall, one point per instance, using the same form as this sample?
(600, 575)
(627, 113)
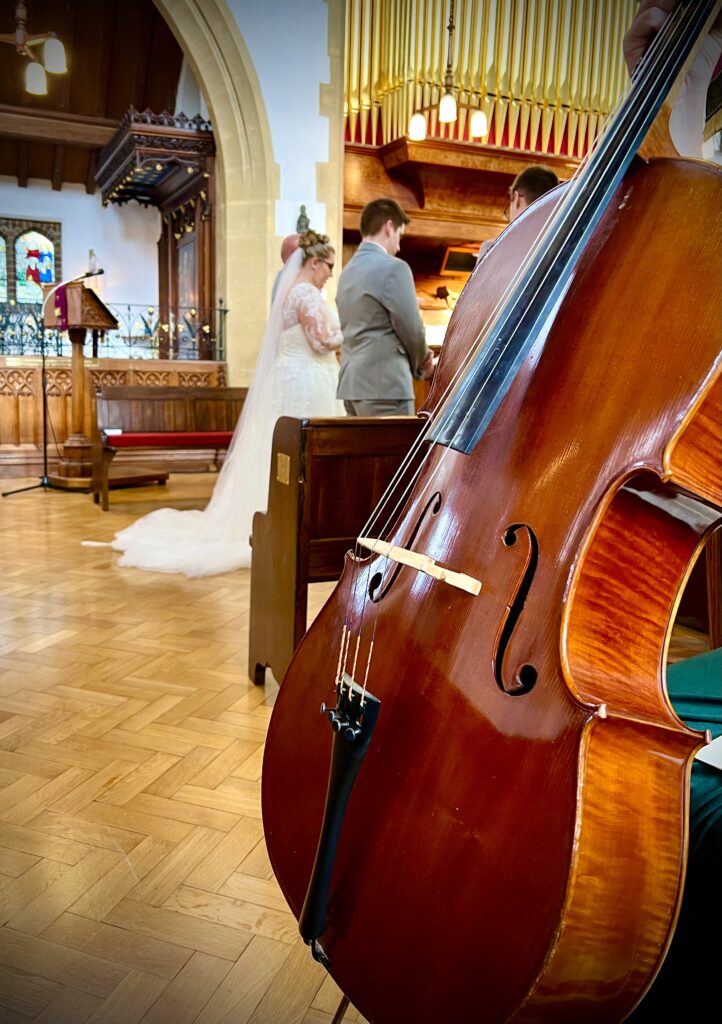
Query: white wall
(124, 238)
(189, 99)
(288, 42)
(712, 148)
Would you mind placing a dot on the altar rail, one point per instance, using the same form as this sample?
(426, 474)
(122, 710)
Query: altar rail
(143, 332)
(21, 411)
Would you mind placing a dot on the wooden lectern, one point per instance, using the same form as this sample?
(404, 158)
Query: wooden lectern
(77, 310)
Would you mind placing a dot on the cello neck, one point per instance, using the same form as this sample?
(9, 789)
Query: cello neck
(469, 408)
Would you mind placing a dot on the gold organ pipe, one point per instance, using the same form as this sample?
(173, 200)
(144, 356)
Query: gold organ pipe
(547, 73)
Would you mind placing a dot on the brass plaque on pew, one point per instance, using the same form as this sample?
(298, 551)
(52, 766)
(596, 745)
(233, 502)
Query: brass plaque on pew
(283, 468)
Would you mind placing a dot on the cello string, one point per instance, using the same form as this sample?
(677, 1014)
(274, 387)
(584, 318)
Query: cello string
(661, 68)
(547, 237)
(621, 143)
(552, 230)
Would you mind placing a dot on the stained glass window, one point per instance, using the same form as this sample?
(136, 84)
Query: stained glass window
(34, 266)
(3, 271)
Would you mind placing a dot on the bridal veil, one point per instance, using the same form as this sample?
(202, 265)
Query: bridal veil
(216, 539)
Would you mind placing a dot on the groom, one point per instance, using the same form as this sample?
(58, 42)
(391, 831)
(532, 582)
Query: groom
(384, 344)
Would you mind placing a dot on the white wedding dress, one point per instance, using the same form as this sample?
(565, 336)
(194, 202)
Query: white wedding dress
(296, 374)
(306, 368)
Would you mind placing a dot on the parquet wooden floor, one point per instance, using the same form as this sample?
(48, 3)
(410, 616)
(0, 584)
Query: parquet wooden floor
(134, 882)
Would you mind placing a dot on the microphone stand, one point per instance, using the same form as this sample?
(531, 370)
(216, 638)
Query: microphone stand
(45, 482)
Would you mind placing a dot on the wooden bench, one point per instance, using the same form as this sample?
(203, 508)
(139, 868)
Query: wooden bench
(156, 419)
(327, 476)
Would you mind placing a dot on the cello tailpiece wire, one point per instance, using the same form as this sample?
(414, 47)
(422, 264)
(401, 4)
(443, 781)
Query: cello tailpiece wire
(355, 658)
(340, 654)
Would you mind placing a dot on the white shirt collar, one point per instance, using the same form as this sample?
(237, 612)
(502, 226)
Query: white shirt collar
(369, 241)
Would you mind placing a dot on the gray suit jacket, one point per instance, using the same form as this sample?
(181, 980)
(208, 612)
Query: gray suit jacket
(383, 336)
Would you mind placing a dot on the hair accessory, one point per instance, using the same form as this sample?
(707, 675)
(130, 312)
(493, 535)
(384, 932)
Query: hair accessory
(310, 238)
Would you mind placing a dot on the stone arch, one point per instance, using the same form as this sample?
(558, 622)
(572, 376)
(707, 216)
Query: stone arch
(247, 178)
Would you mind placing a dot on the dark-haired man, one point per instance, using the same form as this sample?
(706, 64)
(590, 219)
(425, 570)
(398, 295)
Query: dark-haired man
(384, 343)
(529, 185)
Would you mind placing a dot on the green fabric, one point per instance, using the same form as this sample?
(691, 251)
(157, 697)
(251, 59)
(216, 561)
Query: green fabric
(687, 986)
(695, 689)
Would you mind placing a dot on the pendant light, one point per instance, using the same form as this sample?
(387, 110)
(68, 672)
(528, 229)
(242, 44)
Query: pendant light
(53, 53)
(448, 109)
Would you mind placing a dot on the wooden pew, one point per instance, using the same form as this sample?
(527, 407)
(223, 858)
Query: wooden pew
(327, 476)
(157, 419)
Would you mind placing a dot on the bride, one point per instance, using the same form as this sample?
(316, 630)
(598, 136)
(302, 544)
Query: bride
(296, 374)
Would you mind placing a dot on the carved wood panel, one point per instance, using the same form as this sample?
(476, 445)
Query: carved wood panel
(21, 398)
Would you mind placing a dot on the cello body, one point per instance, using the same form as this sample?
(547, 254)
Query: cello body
(514, 846)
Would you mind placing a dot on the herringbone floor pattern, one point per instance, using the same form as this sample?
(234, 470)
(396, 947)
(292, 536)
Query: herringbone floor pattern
(134, 881)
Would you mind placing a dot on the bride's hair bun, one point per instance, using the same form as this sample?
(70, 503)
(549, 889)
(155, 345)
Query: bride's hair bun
(314, 244)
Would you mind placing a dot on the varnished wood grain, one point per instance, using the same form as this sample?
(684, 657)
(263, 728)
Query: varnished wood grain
(486, 764)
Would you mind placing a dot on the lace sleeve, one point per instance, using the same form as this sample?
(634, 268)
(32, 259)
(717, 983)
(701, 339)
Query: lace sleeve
(314, 317)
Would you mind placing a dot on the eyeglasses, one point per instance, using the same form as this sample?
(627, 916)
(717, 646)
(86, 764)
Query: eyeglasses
(512, 192)
(329, 265)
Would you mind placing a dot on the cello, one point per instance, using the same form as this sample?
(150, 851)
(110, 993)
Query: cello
(488, 819)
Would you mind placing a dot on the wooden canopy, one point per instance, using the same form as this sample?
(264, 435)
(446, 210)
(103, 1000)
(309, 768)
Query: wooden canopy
(156, 159)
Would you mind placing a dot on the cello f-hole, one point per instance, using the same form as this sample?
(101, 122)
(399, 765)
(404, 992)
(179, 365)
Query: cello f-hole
(525, 677)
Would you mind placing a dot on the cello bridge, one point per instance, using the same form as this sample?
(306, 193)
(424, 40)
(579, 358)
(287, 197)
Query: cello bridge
(422, 563)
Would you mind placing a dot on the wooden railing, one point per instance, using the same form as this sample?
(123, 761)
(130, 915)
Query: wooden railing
(21, 409)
